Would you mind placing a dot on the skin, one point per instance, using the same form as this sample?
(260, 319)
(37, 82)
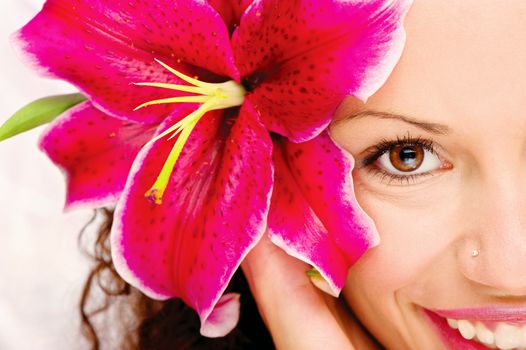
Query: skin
(463, 74)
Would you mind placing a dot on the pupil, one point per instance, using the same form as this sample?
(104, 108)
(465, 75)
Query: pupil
(408, 155)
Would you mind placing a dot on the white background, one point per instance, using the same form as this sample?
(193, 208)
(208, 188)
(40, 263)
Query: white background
(41, 268)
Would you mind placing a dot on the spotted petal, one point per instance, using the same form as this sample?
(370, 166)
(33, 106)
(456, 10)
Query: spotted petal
(313, 54)
(314, 215)
(214, 210)
(230, 10)
(102, 46)
(95, 152)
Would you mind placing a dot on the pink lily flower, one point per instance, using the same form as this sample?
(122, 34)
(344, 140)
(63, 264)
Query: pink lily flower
(205, 126)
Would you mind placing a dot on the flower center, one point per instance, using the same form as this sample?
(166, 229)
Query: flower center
(210, 96)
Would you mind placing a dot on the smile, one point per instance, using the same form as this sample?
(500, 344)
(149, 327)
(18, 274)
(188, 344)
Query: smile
(478, 329)
(499, 335)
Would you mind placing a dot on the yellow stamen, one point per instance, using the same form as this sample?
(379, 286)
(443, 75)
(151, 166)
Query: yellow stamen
(174, 100)
(177, 127)
(177, 87)
(156, 192)
(185, 77)
(212, 96)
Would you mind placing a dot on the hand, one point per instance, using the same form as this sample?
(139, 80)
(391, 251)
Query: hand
(297, 314)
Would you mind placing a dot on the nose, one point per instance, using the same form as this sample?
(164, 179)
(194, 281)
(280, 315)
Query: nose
(493, 252)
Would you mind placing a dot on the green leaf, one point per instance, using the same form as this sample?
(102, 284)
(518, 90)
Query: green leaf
(37, 113)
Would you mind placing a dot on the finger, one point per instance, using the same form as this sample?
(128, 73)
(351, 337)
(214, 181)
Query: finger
(296, 312)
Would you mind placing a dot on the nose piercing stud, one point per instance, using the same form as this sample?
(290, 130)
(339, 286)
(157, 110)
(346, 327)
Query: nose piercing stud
(474, 253)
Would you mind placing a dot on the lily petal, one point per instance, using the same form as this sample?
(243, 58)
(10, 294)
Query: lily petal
(103, 46)
(313, 54)
(95, 152)
(230, 10)
(213, 212)
(223, 318)
(314, 215)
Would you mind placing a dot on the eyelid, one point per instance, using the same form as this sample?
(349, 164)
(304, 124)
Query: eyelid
(430, 162)
(373, 153)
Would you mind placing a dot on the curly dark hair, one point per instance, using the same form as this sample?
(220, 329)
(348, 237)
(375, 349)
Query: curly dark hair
(116, 315)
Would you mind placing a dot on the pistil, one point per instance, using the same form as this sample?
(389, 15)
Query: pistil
(211, 96)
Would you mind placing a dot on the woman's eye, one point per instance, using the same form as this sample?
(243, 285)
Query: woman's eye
(406, 159)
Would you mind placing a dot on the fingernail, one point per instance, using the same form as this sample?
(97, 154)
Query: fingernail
(319, 282)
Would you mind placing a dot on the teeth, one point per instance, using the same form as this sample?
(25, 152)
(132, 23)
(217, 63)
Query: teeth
(452, 323)
(484, 335)
(466, 329)
(505, 336)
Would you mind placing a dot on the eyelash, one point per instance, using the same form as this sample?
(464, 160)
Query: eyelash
(386, 145)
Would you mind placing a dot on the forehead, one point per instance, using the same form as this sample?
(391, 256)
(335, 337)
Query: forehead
(463, 59)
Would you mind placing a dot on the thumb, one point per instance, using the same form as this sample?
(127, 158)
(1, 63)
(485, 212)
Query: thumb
(298, 315)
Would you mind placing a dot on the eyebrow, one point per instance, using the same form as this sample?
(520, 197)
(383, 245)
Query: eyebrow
(434, 128)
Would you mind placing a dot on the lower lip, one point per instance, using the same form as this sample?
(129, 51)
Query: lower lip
(451, 337)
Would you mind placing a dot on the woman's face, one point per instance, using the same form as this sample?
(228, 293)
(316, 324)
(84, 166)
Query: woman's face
(441, 168)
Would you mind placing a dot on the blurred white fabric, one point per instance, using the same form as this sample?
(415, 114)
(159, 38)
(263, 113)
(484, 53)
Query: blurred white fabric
(41, 268)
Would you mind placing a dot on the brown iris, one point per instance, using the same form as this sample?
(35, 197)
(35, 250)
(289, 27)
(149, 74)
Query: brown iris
(406, 157)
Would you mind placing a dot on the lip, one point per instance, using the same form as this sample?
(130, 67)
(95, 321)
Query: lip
(491, 314)
(450, 337)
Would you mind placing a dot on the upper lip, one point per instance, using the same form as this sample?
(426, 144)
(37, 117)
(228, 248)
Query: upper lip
(488, 313)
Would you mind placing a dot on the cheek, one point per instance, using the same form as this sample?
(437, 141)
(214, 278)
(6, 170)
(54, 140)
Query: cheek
(380, 285)
(416, 231)
(411, 239)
